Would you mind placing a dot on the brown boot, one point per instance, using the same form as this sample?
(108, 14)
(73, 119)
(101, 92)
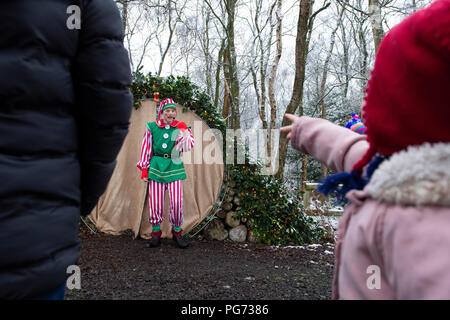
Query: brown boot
(155, 241)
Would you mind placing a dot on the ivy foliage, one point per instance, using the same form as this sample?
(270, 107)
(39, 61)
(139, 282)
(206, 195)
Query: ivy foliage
(274, 215)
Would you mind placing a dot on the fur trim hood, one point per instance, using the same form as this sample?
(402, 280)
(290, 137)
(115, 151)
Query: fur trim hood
(417, 176)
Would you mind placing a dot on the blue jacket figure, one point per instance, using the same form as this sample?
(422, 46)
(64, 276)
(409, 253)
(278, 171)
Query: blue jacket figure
(65, 106)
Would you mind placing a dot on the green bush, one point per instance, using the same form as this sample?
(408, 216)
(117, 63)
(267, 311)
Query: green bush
(273, 214)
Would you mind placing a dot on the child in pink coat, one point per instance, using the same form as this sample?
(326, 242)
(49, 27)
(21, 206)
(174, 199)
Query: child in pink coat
(394, 236)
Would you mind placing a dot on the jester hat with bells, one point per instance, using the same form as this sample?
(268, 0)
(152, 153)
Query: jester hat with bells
(166, 104)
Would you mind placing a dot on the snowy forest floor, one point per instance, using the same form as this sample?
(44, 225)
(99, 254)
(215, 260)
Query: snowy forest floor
(120, 268)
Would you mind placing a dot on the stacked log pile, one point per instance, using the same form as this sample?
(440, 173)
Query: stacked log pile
(225, 224)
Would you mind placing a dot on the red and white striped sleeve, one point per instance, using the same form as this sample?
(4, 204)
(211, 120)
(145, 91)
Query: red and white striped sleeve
(184, 143)
(146, 150)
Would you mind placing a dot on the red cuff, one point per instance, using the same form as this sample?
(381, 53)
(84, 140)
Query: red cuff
(144, 173)
(182, 126)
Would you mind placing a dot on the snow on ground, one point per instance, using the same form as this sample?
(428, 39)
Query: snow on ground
(310, 247)
(328, 220)
(329, 247)
(324, 220)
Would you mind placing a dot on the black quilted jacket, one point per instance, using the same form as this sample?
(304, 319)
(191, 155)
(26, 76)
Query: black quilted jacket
(64, 113)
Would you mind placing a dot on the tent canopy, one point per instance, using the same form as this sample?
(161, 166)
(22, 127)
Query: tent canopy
(124, 205)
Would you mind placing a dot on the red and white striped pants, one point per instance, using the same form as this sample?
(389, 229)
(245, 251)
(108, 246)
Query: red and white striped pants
(156, 202)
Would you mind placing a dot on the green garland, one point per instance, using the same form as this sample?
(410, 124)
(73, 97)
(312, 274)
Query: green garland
(182, 91)
(275, 216)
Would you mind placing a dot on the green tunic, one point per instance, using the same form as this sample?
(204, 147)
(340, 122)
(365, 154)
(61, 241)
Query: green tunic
(163, 142)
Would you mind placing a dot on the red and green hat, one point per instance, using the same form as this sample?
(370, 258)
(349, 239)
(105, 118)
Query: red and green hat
(166, 104)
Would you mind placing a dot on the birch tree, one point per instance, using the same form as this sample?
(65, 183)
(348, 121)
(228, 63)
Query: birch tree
(325, 75)
(273, 75)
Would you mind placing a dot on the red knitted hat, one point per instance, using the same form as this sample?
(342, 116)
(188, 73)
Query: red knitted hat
(408, 95)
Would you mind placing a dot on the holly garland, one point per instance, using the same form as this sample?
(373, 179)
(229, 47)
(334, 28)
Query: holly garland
(182, 91)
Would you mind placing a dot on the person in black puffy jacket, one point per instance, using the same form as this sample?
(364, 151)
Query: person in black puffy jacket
(64, 112)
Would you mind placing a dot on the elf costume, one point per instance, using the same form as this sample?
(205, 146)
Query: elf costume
(160, 162)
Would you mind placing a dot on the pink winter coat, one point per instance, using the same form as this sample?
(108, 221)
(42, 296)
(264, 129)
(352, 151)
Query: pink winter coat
(394, 236)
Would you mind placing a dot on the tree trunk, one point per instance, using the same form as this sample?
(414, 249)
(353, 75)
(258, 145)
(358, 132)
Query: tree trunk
(345, 64)
(208, 69)
(124, 14)
(273, 75)
(304, 171)
(169, 42)
(231, 82)
(262, 70)
(234, 81)
(376, 22)
(226, 111)
(218, 70)
(325, 75)
(262, 75)
(363, 61)
(301, 51)
(230, 109)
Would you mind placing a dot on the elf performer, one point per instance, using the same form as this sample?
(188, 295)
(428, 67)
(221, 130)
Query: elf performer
(161, 164)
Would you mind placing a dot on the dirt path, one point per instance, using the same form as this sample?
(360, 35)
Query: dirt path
(118, 267)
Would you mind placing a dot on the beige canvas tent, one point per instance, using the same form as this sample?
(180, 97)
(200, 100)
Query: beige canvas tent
(124, 205)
